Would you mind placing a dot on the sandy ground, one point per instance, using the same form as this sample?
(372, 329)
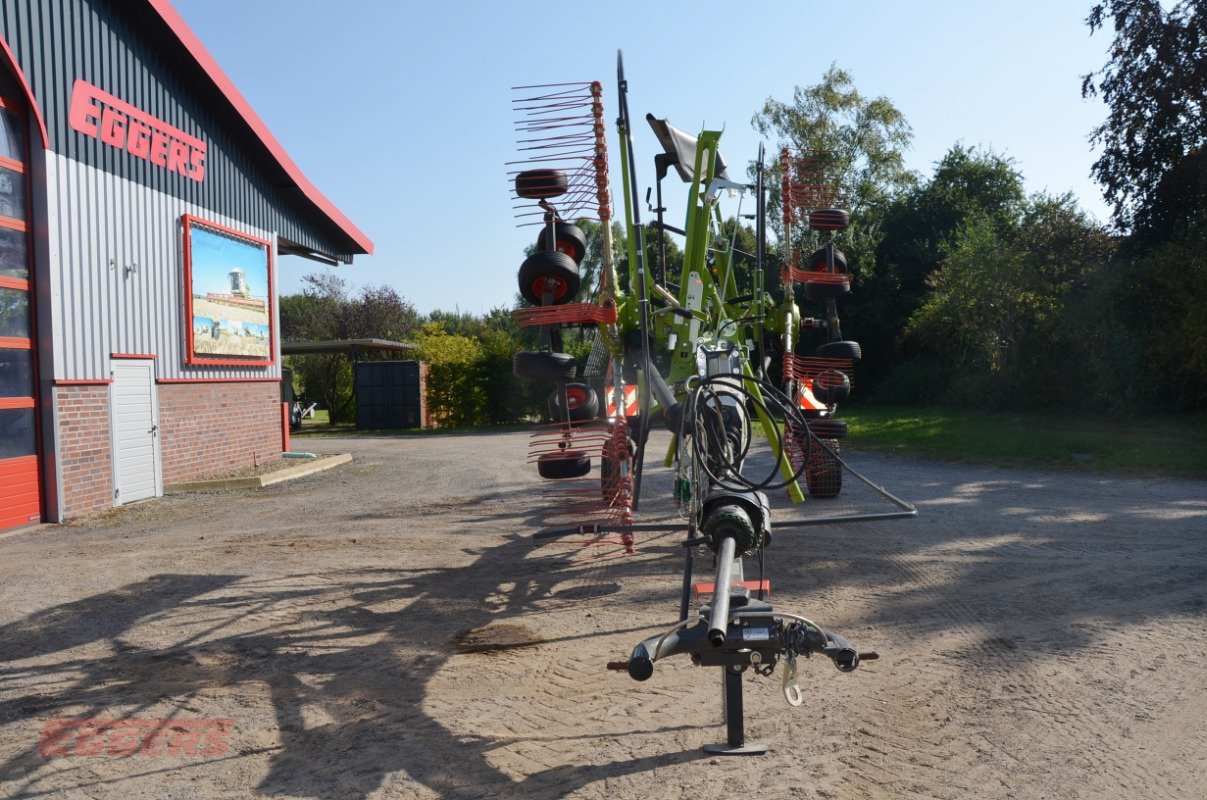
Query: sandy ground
(1041, 635)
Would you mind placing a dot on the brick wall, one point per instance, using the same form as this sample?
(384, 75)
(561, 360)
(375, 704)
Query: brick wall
(208, 428)
(85, 450)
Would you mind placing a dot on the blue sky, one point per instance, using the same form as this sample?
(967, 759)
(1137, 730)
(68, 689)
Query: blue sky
(400, 112)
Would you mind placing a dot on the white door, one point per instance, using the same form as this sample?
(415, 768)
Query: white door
(135, 414)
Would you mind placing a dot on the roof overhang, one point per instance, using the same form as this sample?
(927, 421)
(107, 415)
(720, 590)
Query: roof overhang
(291, 248)
(172, 19)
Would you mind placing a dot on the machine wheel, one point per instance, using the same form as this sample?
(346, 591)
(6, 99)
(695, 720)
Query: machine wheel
(568, 239)
(609, 469)
(826, 290)
(540, 184)
(823, 474)
(541, 366)
(828, 428)
(568, 464)
(831, 386)
(847, 350)
(817, 261)
(829, 219)
(554, 270)
(582, 403)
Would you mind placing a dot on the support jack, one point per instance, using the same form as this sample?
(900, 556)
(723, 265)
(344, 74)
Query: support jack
(735, 723)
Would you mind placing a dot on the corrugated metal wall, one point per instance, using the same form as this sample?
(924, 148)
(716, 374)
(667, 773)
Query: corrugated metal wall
(99, 225)
(113, 45)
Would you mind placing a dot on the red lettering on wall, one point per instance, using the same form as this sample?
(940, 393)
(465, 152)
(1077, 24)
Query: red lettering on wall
(178, 158)
(197, 165)
(84, 112)
(138, 142)
(115, 122)
(159, 149)
(113, 128)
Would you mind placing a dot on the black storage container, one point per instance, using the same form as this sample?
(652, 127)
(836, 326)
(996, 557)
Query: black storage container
(388, 395)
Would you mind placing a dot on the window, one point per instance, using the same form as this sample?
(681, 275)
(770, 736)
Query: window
(12, 142)
(14, 313)
(12, 193)
(16, 373)
(17, 432)
(14, 258)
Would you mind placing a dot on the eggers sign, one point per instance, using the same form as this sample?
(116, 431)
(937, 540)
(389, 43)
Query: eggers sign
(98, 114)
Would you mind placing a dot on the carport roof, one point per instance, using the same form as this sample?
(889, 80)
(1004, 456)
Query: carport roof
(349, 346)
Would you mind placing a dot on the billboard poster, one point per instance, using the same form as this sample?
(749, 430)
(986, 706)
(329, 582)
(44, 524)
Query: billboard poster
(228, 287)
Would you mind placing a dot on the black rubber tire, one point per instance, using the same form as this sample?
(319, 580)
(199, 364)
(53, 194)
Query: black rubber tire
(541, 268)
(848, 350)
(828, 428)
(831, 386)
(609, 476)
(568, 239)
(541, 366)
(540, 184)
(817, 290)
(583, 403)
(823, 474)
(817, 261)
(568, 464)
(829, 219)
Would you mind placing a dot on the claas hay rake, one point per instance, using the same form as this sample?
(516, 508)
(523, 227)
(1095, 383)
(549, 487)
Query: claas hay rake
(713, 354)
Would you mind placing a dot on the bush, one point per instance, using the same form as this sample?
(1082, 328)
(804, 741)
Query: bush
(454, 394)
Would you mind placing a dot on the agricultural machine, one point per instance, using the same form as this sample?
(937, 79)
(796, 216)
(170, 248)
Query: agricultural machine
(710, 354)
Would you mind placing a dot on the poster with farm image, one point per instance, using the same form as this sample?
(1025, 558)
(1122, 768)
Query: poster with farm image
(229, 292)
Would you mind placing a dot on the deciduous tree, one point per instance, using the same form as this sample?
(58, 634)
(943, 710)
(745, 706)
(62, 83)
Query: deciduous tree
(1153, 166)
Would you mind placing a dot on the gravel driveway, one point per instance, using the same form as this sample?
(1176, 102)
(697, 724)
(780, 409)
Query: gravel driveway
(1041, 635)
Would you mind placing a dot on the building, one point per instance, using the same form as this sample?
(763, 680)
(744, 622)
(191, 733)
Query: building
(143, 207)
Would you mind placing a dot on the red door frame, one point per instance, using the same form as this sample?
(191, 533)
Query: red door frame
(26, 108)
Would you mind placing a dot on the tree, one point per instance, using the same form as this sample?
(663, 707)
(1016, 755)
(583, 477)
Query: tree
(312, 316)
(1146, 307)
(325, 311)
(1153, 167)
(859, 144)
(967, 183)
(1000, 323)
(862, 141)
(980, 306)
(379, 312)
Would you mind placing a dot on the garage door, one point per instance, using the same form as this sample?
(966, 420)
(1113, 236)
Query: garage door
(20, 487)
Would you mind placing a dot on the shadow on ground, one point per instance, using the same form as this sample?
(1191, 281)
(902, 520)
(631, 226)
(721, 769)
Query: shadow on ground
(376, 666)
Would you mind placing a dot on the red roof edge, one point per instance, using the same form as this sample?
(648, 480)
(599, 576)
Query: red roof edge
(191, 43)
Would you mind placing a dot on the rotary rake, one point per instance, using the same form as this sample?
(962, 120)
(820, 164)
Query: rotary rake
(699, 351)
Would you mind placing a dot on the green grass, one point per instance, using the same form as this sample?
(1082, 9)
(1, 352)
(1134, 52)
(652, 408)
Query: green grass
(1132, 444)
